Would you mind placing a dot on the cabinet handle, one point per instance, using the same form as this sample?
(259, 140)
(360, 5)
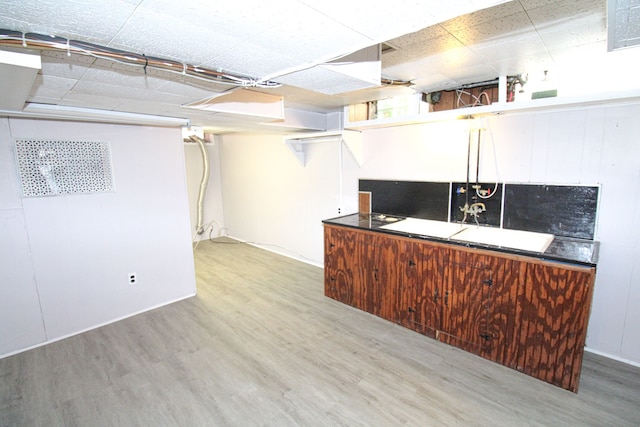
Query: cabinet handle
(446, 298)
(331, 245)
(411, 310)
(485, 337)
(435, 296)
(488, 282)
(411, 263)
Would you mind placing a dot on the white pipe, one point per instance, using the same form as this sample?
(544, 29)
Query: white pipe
(203, 182)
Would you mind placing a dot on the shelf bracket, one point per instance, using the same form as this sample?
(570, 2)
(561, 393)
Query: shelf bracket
(349, 138)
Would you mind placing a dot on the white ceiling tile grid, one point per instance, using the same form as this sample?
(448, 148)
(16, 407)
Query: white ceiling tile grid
(439, 45)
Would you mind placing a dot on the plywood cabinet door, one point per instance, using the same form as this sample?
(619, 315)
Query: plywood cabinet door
(377, 276)
(554, 309)
(465, 313)
(479, 305)
(421, 287)
(339, 261)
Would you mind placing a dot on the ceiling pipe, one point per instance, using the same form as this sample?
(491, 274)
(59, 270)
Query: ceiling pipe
(16, 39)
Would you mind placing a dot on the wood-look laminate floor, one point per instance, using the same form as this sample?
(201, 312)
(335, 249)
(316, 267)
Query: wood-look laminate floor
(261, 346)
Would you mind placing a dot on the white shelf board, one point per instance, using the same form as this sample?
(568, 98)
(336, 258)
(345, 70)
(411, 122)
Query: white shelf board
(350, 138)
(555, 103)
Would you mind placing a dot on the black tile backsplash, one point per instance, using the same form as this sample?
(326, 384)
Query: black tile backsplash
(426, 200)
(562, 210)
(568, 211)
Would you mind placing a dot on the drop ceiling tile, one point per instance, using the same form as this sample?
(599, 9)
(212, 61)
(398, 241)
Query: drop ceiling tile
(504, 48)
(532, 4)
(366, 19)
(47, 86)
(513, 26)
(579, 31)
(99, 89)
(182, 41)
(420, 51)
(564, 11)
(60, 65)
(192, 88)
(244, 21)
(252, 61)
(324, 81)
(581, 56)
(420, 37)
(439, 62)
(484, 16)
(471, 74)
(85, 100)
(309, 37)
(87, 20)
(434, 82)
(130, 80)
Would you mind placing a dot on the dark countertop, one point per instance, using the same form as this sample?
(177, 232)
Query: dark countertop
(561, 249)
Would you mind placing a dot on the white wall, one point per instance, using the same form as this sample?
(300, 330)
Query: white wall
(270, 198)
(65, 260)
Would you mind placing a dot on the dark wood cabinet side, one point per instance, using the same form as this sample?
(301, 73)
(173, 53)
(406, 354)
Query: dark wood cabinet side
(340, 259)
(554, 306)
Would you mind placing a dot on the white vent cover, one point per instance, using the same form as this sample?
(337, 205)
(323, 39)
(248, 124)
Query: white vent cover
(53, 167)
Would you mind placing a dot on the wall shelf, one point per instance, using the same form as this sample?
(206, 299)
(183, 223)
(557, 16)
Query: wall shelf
(501, 107)
(351, 139)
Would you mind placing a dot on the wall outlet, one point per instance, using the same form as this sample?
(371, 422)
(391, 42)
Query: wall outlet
(133, 278)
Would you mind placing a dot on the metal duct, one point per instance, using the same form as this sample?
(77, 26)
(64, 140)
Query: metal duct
(17, 39)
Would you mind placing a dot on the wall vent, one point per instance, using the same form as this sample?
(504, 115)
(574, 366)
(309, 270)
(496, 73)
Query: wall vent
(55, 168)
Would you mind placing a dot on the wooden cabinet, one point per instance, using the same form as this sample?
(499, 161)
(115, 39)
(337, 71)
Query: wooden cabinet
(554, 311)
(420, 290)
(340, 259)
(377, 274)
(521, 312)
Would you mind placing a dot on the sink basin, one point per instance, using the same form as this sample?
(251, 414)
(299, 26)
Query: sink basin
(425, 227)
(515, 239)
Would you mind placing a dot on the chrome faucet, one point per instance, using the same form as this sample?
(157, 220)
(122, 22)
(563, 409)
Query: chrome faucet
(474, 210)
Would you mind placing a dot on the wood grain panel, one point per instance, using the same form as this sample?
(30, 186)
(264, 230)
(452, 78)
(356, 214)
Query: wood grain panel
(421, 279)
(524, 313)
(555, 306)
(340, 245)
(501, 295)
(465, 316)
(378, 281)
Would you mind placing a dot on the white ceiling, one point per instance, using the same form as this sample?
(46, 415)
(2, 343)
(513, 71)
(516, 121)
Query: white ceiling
(438, 45)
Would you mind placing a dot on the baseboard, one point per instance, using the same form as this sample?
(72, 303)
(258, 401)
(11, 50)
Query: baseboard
(60, 338)
(265, 246)
(613, 357)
